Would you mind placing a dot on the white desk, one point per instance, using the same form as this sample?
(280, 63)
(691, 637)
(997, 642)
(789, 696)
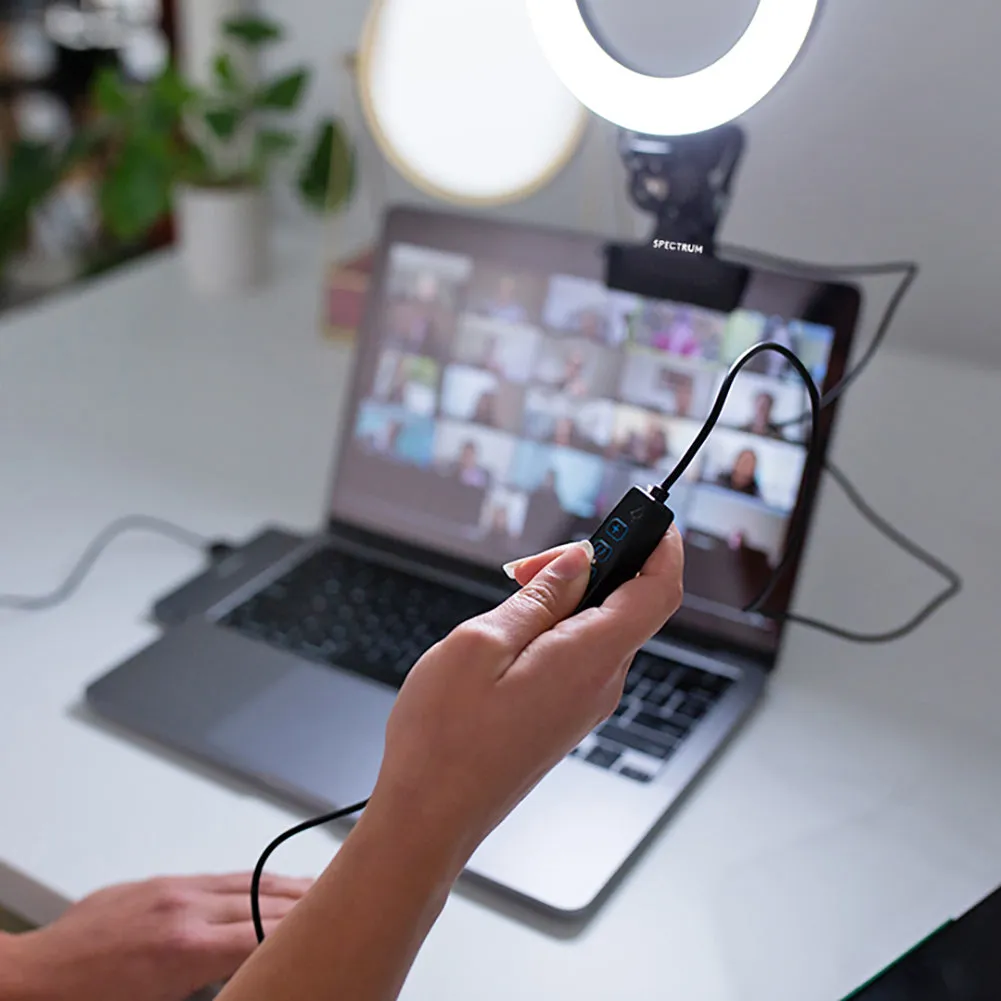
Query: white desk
(860, 807)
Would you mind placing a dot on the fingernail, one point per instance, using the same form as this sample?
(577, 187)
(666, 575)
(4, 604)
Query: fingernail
(574, 562)
(510, 568)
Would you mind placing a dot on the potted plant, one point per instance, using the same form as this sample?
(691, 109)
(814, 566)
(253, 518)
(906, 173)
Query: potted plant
(208, 153)
(204, 152)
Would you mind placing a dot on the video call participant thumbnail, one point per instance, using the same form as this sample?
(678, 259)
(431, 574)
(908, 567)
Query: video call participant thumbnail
(809, 342)
(395, 433)
(505, 350)
(762, 422)
(768, 470)
(578, 307)
(479, 396)
(504, 520)
(767, 407)
(510, 297)
(733, 543)
(649, 440)
(744, 329)
(585, 425)
(546, 520)
(812, 344)
(455, 467)
(640, 437)
(555, 477)
(578, 368)
(407, 381)
(424, 294)
(670, 385)
(472, 455)
(680, 330)
(742, 475)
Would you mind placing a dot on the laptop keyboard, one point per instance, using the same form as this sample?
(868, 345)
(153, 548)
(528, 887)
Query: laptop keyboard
(339, 610)
(354, 614)
(662, 703)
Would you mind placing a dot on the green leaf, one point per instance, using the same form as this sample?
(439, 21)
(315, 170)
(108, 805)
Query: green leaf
(253, 31)
(191, 164)
(327, 179)
(284, 93)
(29, 177)
(135, 193)
(26, 161)
(110, 93)
(171, 92)
(33, 171)
(224, 121)
(155, 145)
(225, 73)
(274, 142)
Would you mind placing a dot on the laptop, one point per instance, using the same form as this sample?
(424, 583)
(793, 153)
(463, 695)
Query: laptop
(503, 399)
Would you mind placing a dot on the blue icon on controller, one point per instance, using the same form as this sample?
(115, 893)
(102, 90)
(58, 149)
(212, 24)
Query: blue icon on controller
(602, 550)
(617, 530)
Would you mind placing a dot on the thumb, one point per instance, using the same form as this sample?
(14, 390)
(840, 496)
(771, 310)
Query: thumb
(548, 598)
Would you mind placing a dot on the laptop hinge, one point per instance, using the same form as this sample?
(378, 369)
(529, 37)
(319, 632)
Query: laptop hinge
(439, 563)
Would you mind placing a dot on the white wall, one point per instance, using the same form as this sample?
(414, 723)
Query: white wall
(884, 142)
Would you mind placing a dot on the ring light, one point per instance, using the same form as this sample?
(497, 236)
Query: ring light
(673, 106)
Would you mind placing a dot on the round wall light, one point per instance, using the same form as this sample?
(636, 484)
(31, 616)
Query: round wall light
(672, 106)
(462, 101)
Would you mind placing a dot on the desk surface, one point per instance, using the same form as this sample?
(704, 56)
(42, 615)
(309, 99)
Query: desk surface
(859, 808)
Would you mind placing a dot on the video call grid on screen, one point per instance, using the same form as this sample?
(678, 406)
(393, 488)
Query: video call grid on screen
(524, 404)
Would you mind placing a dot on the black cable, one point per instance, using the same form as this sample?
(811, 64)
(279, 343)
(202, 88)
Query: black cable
(792, 548)
(306, 825)
(669, 481)
(954, 586)
(909, 270)
(93, 552)
(817, 403)
(798, 530)
(724, 391)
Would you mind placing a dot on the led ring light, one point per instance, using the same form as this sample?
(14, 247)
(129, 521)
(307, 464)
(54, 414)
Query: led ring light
(673, 106)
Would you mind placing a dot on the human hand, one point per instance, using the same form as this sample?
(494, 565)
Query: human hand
(160, 940)
(489, 710)
(480, 719)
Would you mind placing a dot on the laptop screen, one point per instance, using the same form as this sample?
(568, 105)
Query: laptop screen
(506, 400)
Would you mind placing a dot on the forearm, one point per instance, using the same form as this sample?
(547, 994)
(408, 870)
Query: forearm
(356, 934)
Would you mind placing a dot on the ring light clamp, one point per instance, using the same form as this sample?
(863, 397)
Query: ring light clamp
(673, 106)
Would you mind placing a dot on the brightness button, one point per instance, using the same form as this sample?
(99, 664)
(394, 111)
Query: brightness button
(617, 530)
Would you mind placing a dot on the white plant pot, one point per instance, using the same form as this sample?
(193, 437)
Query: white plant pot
(223, 236)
